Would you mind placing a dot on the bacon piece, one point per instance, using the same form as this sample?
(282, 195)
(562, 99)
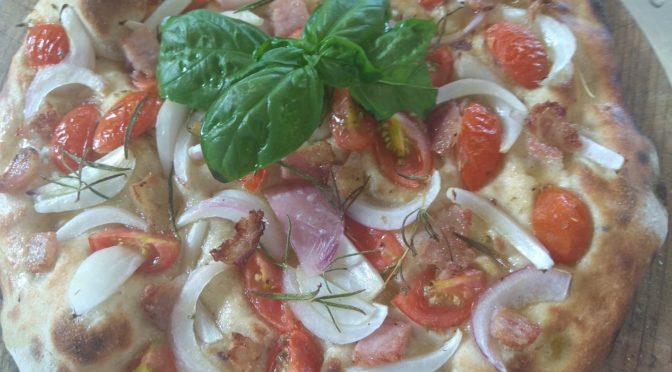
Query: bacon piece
(315, 159)
(42, 252)
(141, 49)
(237, 249)
(386, 345)
(244, 353)
(481, 5)
(513, 329)
(549, 155)
(21, 171)
(150, 196)
(43, 125)
(288, 16)
(444, 125)
(158, 300)
(548, 122)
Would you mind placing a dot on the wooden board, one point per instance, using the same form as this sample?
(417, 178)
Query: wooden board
(644, 344)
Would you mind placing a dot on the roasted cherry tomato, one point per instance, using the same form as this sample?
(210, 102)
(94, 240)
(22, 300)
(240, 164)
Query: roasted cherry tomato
(563, 223)
(254, 181)
(262, 275)
(519, 53)
(46, 44)
(478, 156)
(430, 4)
(296, 351)
(402, 151)
(353, 129)
(74, 134)
(158, 358)
(440, 61)
(441, 304)
(385, 245)
(161, 251)
(111, 130)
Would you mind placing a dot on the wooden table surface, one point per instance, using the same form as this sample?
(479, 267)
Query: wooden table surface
(645, 342)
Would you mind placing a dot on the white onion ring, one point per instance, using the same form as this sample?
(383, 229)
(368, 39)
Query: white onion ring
(95, 217)
(354, 326)
(169, 121)
(100, 275)
(52, 77)
(205, 327)
(188, 353)
(560, 44)
(166, 9)
(193, 242)
(359, 273)
(468, 66)
(195, 152)
(233, 205)
(517, 290)
(515, 234)
(81, 52)
(245, 16)
(431, 361)
(181, 160)
(509, 108)
(392, 217)
(600, 155)
(473, 23)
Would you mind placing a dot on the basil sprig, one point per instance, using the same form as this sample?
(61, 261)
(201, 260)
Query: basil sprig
(264, 96)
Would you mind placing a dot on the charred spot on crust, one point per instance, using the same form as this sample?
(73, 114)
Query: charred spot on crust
(87, 344)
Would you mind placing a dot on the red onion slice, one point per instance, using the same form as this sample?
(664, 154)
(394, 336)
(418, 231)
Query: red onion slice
(188, 353)
(53, 77)
(431, 361)
(359, 273)
(233, 205)
(509, 108)
(388, 218)
(316, 226)
(100, 275)
(81, 52)
(517, 290)
(515, 234)
(600, 155)
(166, 9)
(96, 217)
(170, 120)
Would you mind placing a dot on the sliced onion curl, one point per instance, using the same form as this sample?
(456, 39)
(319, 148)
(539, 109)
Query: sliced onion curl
(476, 20)
(468, 66)
(166, 9)
(233, 205)
(353, 325)
(392, 217)
(510, 109)
(560, 44)
(81, 52)
(431, 361)
(63, 196)
(600, 155)
(100, 275)
(53, 77)
(195, 152)
(193, 243)
(517, 290)
(188, 353)
(358, 273)
(181, 160)
(206, 328)
(520, 239)
(245, 16)
(96, 217)
(170, 120)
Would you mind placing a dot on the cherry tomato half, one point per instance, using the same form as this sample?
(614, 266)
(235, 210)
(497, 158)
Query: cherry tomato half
(161, 251)
(46, 44)
(353, 128)
(296, 351)
(254, 181)
(74, 134)
(440, 61)
(387, 247)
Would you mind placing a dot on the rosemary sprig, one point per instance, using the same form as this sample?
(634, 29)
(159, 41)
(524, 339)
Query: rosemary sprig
(441, 27)
(131, 124)
(254, 5)
(421, 218)
(483, 249)
(171, 203)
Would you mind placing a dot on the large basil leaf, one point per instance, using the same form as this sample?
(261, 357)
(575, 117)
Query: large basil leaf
(343, 63)
(360, 21)
(403, 88)
(260, 119)
(407, 42)
(200, 52)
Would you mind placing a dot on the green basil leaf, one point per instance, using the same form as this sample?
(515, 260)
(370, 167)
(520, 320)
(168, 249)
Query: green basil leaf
(407, 42)
(287, 52)
(260, 119)
(360, 21)
(403, 88)
(343, 63)
(200, 52)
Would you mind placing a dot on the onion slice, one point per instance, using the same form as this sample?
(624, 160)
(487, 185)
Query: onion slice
(166, 9)
(517, 290)
(560, 44)
(233, 205)
(358, 273)
(245, 16)
(392, 217)
(81, 53)
(95, 217)
(600, 155)
(52, 77)
(353, 325)
(169, 121)
(206, 328)
(181, 160)
(509, 108)
(519, 238)
(428, 362)
(100, 275)
(188, 353)
(193, 242)
(63, 196)
(473, 23)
